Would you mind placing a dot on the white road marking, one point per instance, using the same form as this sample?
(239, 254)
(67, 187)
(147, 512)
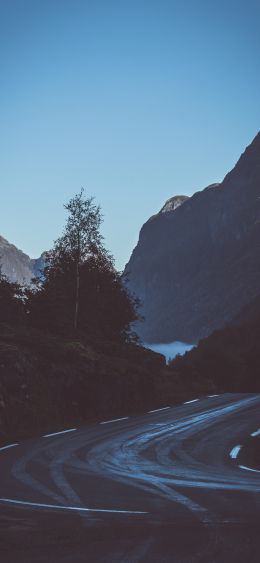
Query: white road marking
(235, 451)
(249, 468)
(7, 447)
(76, 508)
(157, 410)
(188, 402)
(213, 396)
(58, 433)
(256, 433)
(114, 420)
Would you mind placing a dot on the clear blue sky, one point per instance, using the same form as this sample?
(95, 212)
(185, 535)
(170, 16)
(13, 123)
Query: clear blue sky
(136, 100)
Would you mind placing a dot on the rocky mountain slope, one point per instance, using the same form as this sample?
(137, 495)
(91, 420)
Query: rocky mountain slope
(174, 202)
(196, 265)
(16, 265)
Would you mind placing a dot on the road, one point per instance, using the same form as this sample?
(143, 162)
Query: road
(164, 487)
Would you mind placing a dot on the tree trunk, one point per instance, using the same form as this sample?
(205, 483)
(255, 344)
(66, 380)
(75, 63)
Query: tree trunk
(76, 314)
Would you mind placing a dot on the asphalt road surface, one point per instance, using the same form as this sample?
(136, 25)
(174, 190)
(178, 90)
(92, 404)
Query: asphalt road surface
(168, 486)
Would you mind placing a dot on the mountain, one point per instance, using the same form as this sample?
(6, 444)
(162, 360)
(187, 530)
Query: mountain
(16, 265)
(197, 264)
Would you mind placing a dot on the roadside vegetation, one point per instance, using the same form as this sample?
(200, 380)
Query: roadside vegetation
(68, 354)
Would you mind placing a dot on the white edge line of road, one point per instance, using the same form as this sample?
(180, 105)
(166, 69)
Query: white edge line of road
(114, 420)
(210, 396)
(57, 433)
(235, 451)
(157, 410)
(249, 468)
(192, 401)
(9, 446)
(76, 508)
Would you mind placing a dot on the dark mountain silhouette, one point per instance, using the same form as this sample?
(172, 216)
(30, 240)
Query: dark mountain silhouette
(194, 267)
(16, 265)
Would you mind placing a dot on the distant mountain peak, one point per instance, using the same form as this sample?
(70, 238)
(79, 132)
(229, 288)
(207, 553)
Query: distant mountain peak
(16, 265)
(173, 202)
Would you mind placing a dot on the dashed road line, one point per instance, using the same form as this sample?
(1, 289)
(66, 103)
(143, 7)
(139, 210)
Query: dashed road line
(192, 401)
(158, 410)
(256, 433)
(235, 451)
(58, 433)
(249, 468)
(114, 420)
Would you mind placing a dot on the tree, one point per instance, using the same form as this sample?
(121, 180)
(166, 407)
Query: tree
(81, 289)
(81, 238)
(12, 297)
(106, 307)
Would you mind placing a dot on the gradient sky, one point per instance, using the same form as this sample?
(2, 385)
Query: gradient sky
(136, 100)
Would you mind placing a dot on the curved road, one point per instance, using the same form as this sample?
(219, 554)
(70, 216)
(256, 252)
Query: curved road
(159, 488)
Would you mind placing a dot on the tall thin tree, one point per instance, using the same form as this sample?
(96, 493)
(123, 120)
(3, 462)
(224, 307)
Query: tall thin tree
(81, 237)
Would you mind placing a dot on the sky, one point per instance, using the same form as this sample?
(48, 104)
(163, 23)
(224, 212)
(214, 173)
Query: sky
(134, 100)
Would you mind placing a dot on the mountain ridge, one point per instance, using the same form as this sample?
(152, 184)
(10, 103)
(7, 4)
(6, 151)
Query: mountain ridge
(193, 269)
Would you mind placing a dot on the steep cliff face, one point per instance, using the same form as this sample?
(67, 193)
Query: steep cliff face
(16, 265)
(195, 266)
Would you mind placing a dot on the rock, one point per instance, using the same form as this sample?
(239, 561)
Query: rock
(18, 266)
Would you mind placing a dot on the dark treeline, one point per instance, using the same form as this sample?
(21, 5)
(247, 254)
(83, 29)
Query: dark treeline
(229, 359)
(67, 351)
(12, 301)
